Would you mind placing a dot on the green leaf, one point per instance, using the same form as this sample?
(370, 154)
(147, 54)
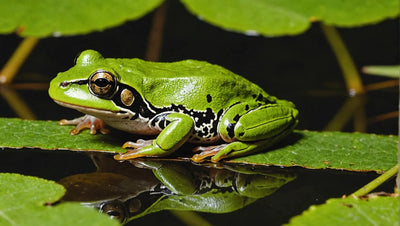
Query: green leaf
(18, 133)
(350, 211)
(333, 150)
(308, 149)
(24, 199)
(386, 71)
(47, 17)
(288, 17)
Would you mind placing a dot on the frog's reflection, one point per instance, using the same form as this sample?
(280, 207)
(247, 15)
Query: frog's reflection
(131, 189)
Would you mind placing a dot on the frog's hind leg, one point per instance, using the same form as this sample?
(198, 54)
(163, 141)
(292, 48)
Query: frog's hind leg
(249, 131)
(229, 150)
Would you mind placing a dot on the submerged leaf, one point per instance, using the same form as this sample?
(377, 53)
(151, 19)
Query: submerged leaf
(287, 17)
(24, 199)
(350, 211)
(47, 17)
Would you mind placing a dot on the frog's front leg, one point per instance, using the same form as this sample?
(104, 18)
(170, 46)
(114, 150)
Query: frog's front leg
(85, 122)
(172, 137)
(248, 130)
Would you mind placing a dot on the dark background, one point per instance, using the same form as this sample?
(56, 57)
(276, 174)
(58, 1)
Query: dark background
(299, 68)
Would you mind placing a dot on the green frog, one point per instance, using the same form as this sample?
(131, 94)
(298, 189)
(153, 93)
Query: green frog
(185, 101)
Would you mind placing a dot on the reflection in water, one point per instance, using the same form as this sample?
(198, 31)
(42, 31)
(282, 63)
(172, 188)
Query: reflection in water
(131, 189)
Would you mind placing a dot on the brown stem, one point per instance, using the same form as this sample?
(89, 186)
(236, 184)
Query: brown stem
(382, 85)
(12, 66)
(16, 103)
(154, 44)
(346, 112)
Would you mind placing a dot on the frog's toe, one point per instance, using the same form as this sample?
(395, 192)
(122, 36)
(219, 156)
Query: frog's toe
(130, 154)
(229, 150)
(140, 148)
(139, 144)
(206, 152)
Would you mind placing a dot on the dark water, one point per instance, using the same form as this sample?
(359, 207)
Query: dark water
(299, 68)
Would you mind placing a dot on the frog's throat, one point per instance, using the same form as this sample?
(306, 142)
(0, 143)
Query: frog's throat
(99, 113)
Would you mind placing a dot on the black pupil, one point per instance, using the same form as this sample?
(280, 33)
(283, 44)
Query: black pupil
(113, 213)
(102, 82)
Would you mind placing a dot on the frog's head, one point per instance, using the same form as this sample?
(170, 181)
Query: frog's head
(89, 85)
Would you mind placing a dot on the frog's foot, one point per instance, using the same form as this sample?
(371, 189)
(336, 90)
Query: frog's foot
(85, 122)
(134, 149)
(206, 152)
(139, 144)
(229, 150)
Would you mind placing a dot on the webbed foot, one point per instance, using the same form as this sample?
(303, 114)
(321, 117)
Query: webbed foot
(85, 122)
(206, 152)
(134, 149)
(229, 150)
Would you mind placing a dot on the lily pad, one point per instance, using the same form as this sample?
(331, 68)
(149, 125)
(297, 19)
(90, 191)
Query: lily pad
(25, 201)
(308, 149)
(46, 17)
(266, 17)
(287, 17)
(350, 211)
(331, 150)
(48, 135)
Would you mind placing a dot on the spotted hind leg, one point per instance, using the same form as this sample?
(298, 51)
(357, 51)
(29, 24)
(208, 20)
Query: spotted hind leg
(250, 130)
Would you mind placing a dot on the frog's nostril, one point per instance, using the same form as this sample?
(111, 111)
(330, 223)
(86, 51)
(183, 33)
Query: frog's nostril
(64, 84)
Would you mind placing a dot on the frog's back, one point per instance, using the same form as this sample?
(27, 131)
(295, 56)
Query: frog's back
(191, 83)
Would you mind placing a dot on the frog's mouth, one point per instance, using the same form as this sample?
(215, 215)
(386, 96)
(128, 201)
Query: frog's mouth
(97, 112)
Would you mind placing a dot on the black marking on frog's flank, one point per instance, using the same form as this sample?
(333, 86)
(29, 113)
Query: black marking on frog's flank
(264, 100)
(230, 128)
(205, 121)
(236, 118)
(260, 97)
(209, 98)
(247, 107)
(241, 134)
(159, 121)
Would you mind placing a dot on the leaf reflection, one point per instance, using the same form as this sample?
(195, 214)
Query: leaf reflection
(132, 189)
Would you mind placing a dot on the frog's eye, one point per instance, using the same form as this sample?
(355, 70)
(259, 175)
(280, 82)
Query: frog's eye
(102, 84)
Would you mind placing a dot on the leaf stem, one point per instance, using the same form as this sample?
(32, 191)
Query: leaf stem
(154, 44)
(346, 63)
(376, 182)
(382, 85)
(19, 106)
(346, 112)
(385, 116)
(17, 59)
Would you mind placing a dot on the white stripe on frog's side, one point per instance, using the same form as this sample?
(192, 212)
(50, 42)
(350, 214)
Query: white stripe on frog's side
(118, 120)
